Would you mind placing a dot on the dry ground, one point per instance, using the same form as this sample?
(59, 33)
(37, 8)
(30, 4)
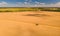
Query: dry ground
(34, 23)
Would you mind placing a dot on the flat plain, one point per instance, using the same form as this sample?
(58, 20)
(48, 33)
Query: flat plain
(30, 23)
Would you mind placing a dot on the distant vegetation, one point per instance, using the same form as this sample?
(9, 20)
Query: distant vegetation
(50, 9)
(18, 9)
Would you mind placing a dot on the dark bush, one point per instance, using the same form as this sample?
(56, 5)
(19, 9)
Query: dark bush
(8, 11)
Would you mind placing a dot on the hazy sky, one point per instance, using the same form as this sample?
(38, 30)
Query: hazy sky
(29, 3)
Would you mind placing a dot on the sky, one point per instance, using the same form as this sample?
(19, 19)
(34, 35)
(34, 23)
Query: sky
(29, 3)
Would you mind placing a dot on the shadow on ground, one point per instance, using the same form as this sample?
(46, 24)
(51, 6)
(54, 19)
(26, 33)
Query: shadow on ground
(38, 15)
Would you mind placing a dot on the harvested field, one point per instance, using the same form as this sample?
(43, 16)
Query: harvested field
(30, 23)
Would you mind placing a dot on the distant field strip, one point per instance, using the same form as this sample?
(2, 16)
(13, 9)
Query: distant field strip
(18, 9)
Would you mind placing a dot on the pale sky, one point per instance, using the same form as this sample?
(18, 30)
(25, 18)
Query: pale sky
(29, 3)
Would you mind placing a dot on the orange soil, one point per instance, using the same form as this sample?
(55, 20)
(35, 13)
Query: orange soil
(25, 23)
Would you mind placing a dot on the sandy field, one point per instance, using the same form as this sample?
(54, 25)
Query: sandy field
(30, 23)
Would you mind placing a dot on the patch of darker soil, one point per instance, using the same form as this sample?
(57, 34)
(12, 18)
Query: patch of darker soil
(37, 15)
